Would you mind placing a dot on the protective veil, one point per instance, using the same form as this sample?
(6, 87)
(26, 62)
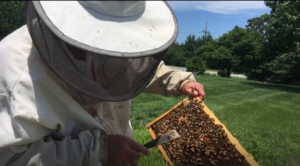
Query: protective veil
(97, 74)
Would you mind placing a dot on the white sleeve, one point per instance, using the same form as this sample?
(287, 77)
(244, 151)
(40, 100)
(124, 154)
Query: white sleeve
(25, 141)
(168, 82)
(83, 151)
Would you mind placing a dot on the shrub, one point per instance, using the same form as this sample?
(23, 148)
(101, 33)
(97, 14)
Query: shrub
(223, 73)
(196, 65)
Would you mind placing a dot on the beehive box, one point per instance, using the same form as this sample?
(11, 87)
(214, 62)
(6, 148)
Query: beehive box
(203, 141)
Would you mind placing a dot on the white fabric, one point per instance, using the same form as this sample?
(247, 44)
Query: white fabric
(145, 31)
(116, 8)
(39, 118)
(42, 124)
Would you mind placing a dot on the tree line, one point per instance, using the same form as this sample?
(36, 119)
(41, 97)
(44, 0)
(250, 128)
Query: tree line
(266, 49)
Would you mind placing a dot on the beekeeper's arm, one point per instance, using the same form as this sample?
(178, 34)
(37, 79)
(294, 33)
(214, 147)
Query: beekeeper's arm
(168, 82)
(27, 141)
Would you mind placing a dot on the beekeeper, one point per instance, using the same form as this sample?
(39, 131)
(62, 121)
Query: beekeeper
(68, 76)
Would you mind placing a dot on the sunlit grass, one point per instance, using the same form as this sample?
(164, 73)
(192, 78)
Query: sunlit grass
(263, 117)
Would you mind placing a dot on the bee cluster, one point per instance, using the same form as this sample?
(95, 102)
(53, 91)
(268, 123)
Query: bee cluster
(201, 142)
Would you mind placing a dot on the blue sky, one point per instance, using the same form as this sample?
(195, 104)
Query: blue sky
(221, 16)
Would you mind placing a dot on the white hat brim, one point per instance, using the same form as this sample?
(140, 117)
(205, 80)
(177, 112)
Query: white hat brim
(140, 35)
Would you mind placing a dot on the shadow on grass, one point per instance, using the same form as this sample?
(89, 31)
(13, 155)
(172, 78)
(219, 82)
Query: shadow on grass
(286, 88)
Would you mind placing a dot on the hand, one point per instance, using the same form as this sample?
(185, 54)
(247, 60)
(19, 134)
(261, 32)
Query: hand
(193, 89)
(123, 150)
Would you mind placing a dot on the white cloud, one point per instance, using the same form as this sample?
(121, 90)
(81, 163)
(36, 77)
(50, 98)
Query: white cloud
(222, 7)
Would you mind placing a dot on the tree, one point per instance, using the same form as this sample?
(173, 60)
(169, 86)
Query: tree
(203, 53)
(285, 69)
(204, 39)
(258, 23)
(281, 44)
(175, 55)
(187, 51)
(273, 5)
(282, 28)
(245, 45)
(239, 49)
(12, 16)
(223, 57)
(189, 46)
(196, 65)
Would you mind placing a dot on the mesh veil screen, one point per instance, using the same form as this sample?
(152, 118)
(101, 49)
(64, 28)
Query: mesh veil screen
(105, 78)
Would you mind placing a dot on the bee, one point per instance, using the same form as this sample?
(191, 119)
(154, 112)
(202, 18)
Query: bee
(193, 149)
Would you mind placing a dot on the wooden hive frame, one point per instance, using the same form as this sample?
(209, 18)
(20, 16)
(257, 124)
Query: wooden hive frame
(232, 139)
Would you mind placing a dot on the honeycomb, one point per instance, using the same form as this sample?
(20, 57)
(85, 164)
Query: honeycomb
(202, 141)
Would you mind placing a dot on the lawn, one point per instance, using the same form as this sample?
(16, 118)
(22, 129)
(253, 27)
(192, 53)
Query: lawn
(264, 118)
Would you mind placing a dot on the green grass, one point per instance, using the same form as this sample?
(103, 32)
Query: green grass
(265, 118)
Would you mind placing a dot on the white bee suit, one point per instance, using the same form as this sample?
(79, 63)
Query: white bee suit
(42, 124)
